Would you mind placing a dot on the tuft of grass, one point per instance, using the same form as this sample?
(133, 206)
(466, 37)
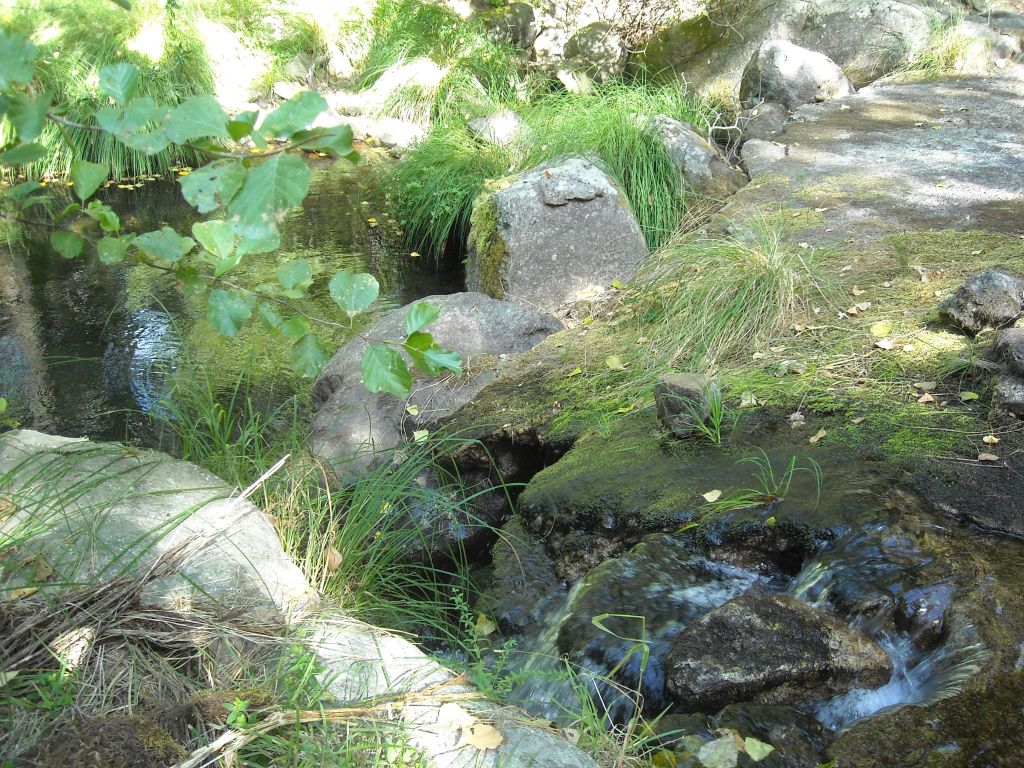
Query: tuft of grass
(79, 37)
(438, 180)
(951, 49)
(704, 299)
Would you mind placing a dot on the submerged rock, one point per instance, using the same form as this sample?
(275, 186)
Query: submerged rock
(685, 402)
(523, 581)
(991, 299)
(799, 739)
(787, 74)
(772, 650)
(552, 235)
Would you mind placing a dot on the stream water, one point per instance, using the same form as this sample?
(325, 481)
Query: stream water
(86, 350)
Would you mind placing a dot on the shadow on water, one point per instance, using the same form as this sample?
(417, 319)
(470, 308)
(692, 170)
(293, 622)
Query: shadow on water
(86, 350)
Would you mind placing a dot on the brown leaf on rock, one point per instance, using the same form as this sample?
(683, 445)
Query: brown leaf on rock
(481, 736)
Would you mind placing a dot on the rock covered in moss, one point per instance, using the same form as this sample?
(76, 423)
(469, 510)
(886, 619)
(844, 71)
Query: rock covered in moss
(787, 74)
(552, 235)
(990, 299)
(773, 650)
(684, 402)
(516, 24)
(700, 162)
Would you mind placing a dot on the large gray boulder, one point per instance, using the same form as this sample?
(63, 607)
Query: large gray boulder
(700, 162)
(515, 24)
(787, 74)
(552, 235)
(354, 430)
(771, 650)
(101, 509)
(597, 51)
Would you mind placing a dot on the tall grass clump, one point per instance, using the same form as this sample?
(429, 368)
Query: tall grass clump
(705, 299)
(436, 183)
(355, 543)
(475, 73)
(79, 37)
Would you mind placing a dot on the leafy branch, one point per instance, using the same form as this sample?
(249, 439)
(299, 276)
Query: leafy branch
(255, 177)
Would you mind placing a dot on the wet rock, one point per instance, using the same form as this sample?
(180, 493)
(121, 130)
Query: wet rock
(524, 579)
(1010, 350)
(758, 156)
(500, 129)
(353, 430)
(661, 580)
(772, 650)
(991, 299)
(921, 613)
(787, 74)
(121, 741)
(702, 165)
(799, 739)
(1008, 395)
(765, 546)
(764, 122)
(552, 235)
(684, 401)
(597, 51)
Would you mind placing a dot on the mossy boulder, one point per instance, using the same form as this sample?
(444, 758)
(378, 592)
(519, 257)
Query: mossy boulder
(550, 236)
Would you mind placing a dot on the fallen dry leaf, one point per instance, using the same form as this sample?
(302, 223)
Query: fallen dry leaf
(22, 592)
(987, 457)
(481, 736)
(817, 436)
(886, 344)
(859, 420)
(333, 559)
(451, 715)
(925, 386)
(926, 398)
(863, 306)
(712, 496)
(990, 439)
(857, 291)
(881, 328)
(747, 400)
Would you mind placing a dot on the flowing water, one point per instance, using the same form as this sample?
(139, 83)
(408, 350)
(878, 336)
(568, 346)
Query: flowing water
(85, 350)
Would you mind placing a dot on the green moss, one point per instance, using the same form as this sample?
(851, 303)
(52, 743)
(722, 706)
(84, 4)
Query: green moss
(488, 252)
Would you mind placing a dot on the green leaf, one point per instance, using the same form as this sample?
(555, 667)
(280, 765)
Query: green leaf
(126, 4)
(217, 237)
(384, 370)
(295, 327)
(966, 396)
(720, 753)
(86, 178)
(165, 244)
(262, 245)
(757, 750)
(307, 356)
(269, 191)
(197, 117)
(269, 316)
(336, 140)
(614, 363)
(119, 81)
(111, 250)
(105, 215)
(241, 125)
(227, 311)
(294, 115)
(28, 115)
(67, 244)
(296, 276)
(213, 185)
(19, 192)
(17, 59)
(420, 315)
(226, 264)
(138, 125)
(22, 154)
(429, 357)
(353, 292)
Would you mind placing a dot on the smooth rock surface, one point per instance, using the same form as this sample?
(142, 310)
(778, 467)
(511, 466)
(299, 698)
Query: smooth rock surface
(787, 74)
(771, 650)
(597, 51)
(552, 235)
(991, 299)
(759, 155)
(353, 429)
(105, 507)
(764, 121)
(1008, 395)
